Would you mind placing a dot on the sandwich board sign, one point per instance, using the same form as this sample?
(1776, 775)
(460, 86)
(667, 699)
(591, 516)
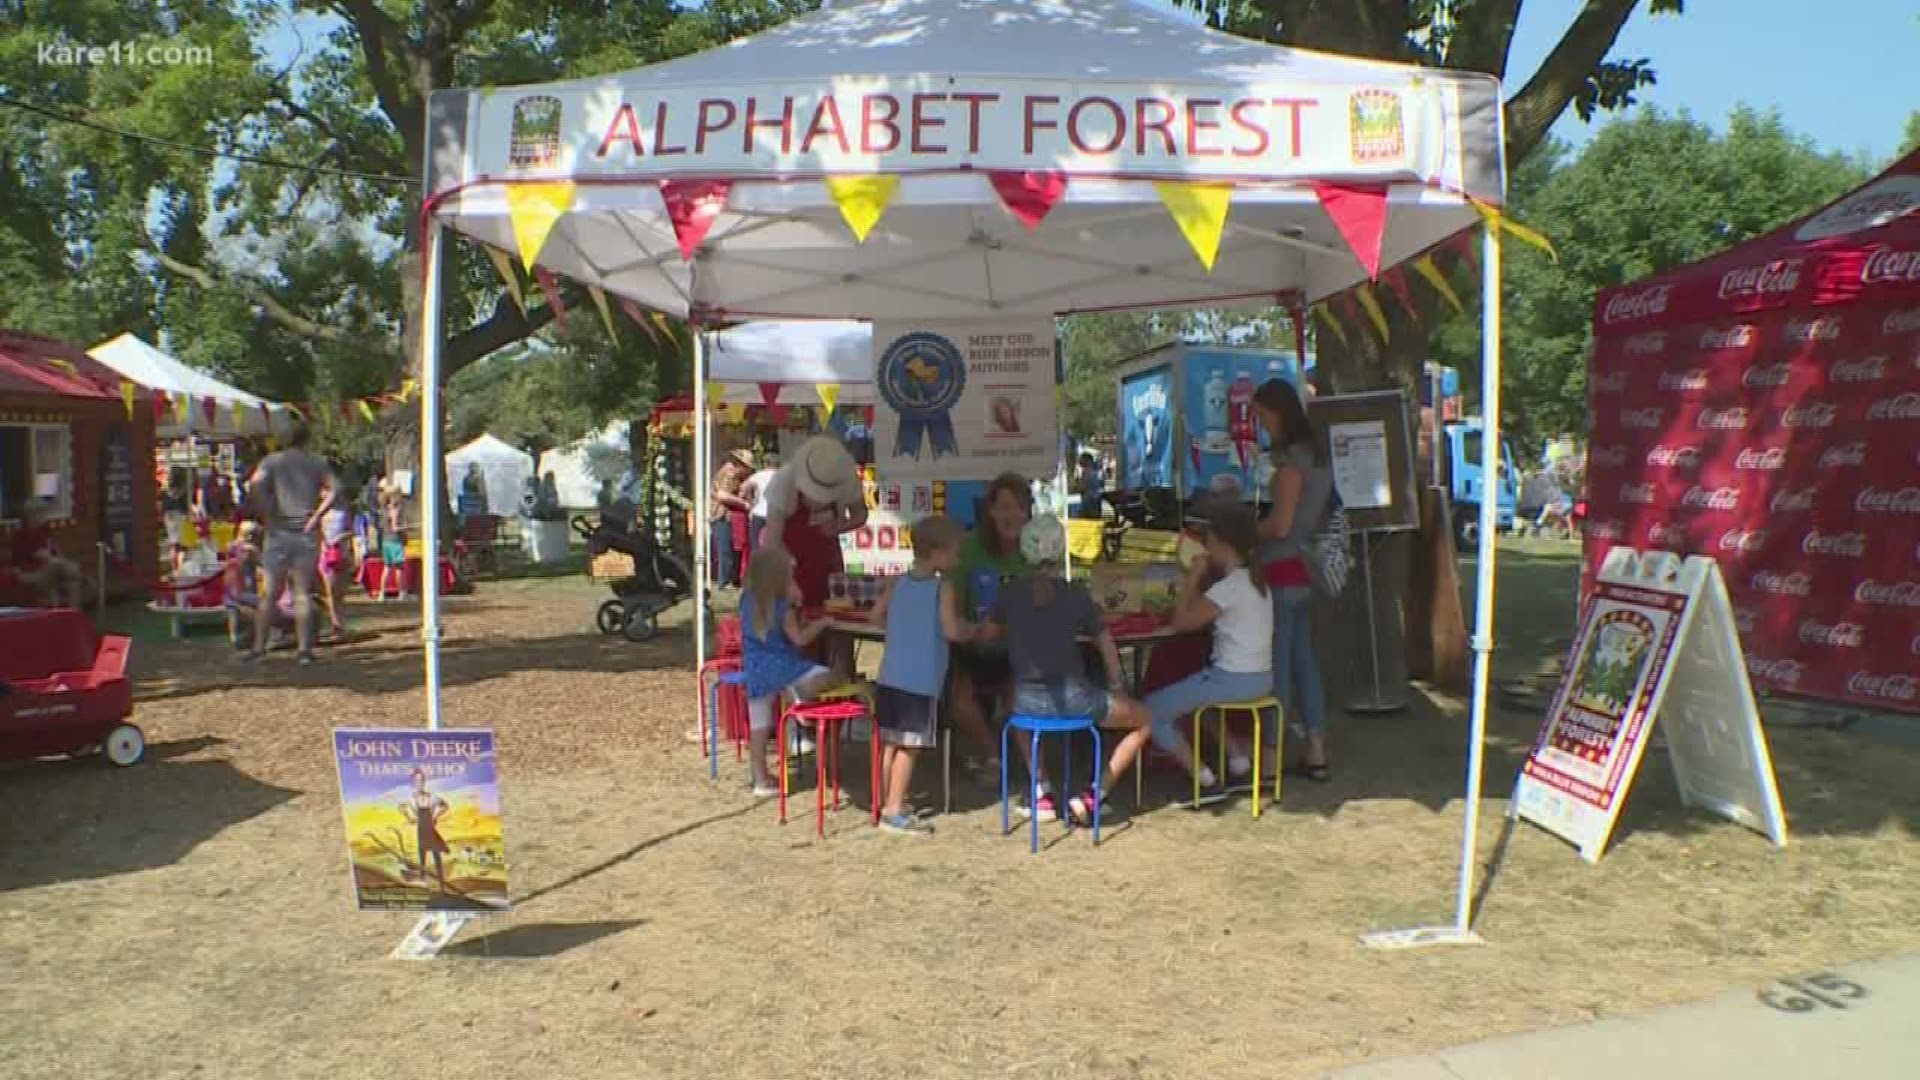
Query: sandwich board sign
(1657, 643)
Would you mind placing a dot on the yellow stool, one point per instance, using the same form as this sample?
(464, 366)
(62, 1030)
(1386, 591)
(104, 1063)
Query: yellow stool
(1223, 712)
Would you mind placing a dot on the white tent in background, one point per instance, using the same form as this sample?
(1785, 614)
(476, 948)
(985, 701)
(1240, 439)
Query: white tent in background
(144, 365)
(579, 468)
(503, 471)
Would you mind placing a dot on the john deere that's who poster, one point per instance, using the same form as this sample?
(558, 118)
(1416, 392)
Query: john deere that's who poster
(422, 811)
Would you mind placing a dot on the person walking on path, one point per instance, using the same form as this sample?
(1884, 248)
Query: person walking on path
(291, 489)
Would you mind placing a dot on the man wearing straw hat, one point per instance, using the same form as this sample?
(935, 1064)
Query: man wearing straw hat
(815, 498)
(729, 518)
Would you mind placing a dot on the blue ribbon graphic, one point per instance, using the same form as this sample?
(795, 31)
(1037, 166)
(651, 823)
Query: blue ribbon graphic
(920, 377)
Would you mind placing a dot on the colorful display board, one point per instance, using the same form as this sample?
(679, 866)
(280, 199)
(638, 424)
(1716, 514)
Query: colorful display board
(423, 819)
(1656, 643)
(884, 545)
(1782, 445)
(965, 400)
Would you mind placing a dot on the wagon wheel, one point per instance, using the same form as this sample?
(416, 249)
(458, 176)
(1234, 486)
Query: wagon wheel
(125, 745)
(641, 625)
(611, 618)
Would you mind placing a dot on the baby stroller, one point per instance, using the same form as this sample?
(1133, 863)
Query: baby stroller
(658, 582)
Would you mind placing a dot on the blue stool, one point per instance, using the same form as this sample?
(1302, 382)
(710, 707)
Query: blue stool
(727, 678)
(1037, 726)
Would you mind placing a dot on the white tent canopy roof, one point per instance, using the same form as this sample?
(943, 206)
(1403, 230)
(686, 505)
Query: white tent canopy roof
(1114, 94)
(798, 356)
(147, 366)
(503, 470)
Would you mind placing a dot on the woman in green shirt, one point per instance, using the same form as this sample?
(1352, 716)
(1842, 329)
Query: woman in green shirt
(990, 555)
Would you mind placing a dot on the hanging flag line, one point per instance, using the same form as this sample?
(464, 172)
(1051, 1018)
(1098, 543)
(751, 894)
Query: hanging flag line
(180, 407)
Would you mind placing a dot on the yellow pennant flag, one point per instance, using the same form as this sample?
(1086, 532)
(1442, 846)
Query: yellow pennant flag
(1200, 209)
(1430, 273)
(606, 314)
(1327, 319)
(1497, 220)
(366, 410)
(829, 395)
(1372, 305)
(407, 389)
(503, 265)
(664, 325)
(182, 407)
(534, 208)
(239, 416)
(127, 391)
(63, 365)
(716, 396)
(862, 200)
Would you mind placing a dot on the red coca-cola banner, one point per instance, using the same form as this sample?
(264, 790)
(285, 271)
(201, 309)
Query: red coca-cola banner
(1785, 444)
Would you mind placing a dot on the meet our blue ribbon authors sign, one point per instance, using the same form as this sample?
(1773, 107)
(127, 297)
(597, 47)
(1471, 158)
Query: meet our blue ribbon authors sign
(965, 400)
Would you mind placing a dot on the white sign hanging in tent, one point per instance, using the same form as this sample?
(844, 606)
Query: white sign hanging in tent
(1657, 642)
(965, 400)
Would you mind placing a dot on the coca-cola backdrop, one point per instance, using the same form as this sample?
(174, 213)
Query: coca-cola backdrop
(1787, 446)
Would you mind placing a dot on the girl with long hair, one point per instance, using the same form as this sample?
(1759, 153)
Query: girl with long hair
(772, 640)
(1301, 498)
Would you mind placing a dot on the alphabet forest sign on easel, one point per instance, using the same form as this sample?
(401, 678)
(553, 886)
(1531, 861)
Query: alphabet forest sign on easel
(1657, 642)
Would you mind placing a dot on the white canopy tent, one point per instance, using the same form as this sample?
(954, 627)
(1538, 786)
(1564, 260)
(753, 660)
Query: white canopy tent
(971, 159)
(145, 365)
(579, 467)
(503, 473)
(795, 356)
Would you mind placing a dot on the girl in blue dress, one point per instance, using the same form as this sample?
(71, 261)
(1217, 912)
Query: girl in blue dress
(772, 637)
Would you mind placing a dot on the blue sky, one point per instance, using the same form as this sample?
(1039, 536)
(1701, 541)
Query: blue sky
(1840, 76)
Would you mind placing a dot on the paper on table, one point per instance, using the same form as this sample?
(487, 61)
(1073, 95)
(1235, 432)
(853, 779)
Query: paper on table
(1360, 464)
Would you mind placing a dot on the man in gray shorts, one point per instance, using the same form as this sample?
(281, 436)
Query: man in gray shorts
(291, 489)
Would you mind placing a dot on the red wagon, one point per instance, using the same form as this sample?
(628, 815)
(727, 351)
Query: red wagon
(64, 688)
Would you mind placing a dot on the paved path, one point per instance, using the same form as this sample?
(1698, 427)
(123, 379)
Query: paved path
(1859, 1023)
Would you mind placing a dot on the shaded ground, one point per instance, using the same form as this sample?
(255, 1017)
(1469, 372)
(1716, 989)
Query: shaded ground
(191, 917)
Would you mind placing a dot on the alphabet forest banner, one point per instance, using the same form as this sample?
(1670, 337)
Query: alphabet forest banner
(965, 400)
(422, 812)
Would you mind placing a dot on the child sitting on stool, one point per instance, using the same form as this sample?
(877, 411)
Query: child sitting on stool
(921, 613)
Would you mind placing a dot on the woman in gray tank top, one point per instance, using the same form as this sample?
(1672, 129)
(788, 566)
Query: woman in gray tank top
(1301, 492)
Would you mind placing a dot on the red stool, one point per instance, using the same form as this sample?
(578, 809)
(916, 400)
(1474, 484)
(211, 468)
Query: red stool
(727, 636)
(827, 718)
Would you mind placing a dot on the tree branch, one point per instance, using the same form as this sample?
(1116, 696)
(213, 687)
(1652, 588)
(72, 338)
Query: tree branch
(259, 295)
(1483, 36)
(504, 327)
(1532, 112)
(374, 29)
(373, 158)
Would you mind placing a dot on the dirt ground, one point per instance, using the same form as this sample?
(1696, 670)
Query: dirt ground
(190, 917)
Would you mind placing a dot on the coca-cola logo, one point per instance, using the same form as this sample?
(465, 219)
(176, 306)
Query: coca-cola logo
(1876, 501)
(1898, 686)
(1901, 322)
(1792, 501)
(1817, 415)
(1613, 383)
(1667, 536)
(1641, 494)
(1888, 265)
(1733, 337)
(1811, 330)
(1888, 593)
(1734, 419)
(1743, 540)
(1899, 407)
(1777, 672)
(1777, 278)
(1773, 457)
(1725, 498)
(1674, 457)
(1843, 635)
(1651, 343)
(1605, 530)
(1608, 457)
(1798, 583)
(1880, 202)
(1851, 545)
(1691, 379)
(1645, 419)
(1767, 376)
(1626, 307)
(1849, 455)
(1864, 370)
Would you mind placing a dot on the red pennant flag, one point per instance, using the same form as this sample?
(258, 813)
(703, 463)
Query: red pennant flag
(210, 409)
(639, 318)
(159, 406)
(692, 206)
(266, 416)
(1029, 195)
(1396, 281)
(1360, 213)
(550, 288)
(769, 394)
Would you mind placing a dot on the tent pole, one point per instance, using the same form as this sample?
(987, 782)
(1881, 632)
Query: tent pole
(432, 248)
(702, 534)
(1490, 464)
(1461, 932)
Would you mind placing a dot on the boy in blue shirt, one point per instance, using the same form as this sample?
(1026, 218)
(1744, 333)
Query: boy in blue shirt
(921, 613)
